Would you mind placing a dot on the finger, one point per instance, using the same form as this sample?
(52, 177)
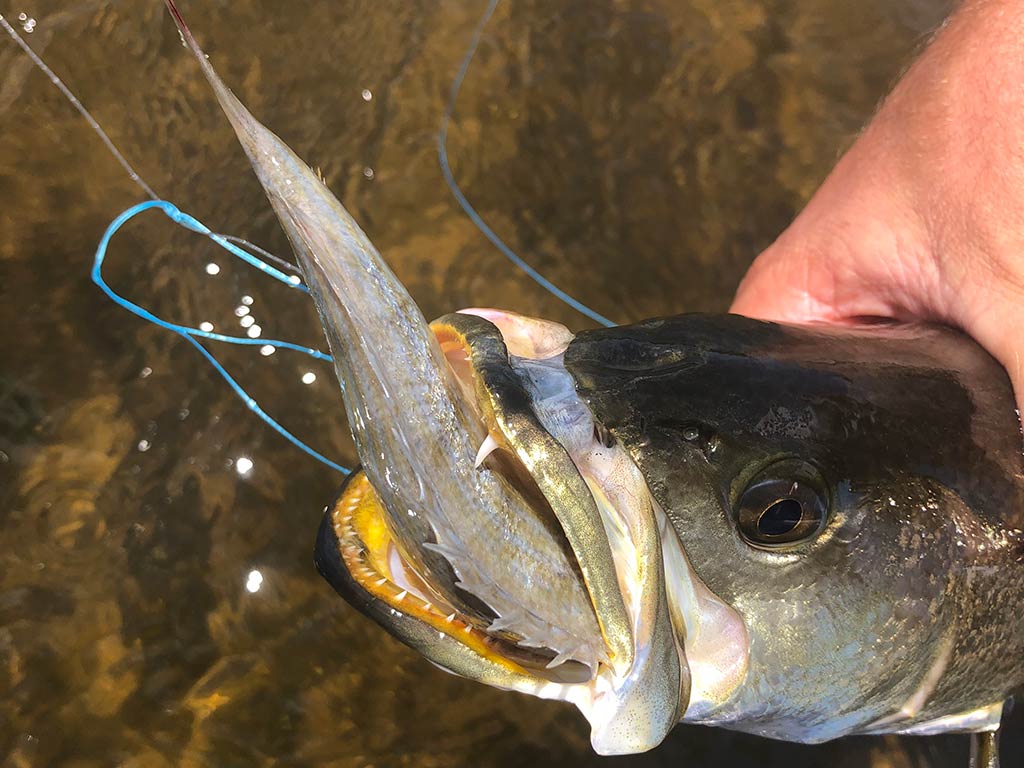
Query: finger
(783, 286)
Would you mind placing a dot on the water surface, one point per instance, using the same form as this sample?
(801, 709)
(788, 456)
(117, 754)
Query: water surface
(640, 154)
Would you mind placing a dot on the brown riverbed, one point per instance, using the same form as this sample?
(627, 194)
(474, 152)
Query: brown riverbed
(640, 154)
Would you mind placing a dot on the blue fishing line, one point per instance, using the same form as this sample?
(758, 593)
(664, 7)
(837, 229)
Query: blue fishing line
(237, 246)
(228, 242)
(470, 211)
(188, 333)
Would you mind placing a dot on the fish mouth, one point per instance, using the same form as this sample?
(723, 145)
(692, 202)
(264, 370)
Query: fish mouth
(541, 437)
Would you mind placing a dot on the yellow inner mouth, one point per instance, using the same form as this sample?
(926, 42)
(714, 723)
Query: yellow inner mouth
(370, 556)
(374, 559)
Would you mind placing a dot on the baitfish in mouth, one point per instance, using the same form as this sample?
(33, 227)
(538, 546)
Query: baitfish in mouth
(491, 527)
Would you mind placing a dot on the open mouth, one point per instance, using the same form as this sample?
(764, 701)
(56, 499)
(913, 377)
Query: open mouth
(631, 680)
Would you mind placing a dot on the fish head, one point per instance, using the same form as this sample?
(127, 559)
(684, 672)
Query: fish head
(775, 510)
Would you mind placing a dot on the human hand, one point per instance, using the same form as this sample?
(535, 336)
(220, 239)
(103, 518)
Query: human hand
(923, 218)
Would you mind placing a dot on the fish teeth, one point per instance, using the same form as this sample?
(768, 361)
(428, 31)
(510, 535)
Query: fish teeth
(448, 553)
(531, 631)
(505, 622)
(487, 447)
(563, 657)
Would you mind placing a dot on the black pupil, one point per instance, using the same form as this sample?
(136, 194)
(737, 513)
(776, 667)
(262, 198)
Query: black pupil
(780, 518)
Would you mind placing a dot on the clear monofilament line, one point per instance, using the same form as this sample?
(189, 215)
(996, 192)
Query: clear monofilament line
(241, 241)
(463, 201)
(246, 250)
(97, 129)
(112, 148)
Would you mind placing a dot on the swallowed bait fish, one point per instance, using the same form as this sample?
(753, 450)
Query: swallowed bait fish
(797, 532)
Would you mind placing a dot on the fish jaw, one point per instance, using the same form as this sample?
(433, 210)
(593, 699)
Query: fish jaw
(630, 710)
(604, 508)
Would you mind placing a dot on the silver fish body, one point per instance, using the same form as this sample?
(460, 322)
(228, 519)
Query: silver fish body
(416, 432)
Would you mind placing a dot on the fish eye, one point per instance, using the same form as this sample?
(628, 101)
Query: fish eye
(784, 504)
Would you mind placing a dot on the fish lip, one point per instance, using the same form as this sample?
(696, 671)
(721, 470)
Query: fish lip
(508, 413)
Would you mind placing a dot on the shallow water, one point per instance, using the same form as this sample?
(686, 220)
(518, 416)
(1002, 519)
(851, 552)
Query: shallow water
(640, 154)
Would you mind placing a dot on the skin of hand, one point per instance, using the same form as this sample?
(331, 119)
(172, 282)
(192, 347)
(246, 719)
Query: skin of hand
(923, 217)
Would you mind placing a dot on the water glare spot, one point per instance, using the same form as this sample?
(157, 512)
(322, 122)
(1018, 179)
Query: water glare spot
(205, 326)
(368, 172)
(243, 465)
(367, 94)
(308, 377)
(212, 269)
(266, 350)
(254, 332)
(253, 581)
(294, 280)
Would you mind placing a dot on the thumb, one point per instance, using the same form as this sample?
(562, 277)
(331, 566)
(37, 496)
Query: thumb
(776, 288)
(831, 279)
